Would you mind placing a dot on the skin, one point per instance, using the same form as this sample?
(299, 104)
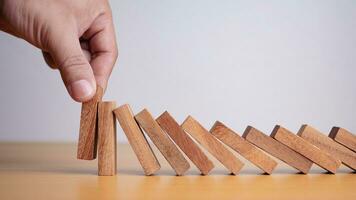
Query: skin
(77, 37)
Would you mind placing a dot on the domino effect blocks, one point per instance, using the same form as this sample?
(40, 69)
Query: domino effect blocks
(97, 135)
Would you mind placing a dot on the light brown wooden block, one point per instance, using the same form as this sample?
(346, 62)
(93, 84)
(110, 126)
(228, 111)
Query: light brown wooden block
(106, 139)
(305, 148)
(343, 137)
(88, 127)
(137, 140)
(164, 144)
(185, 143)
(325, 143)
(277, 149)
(210, 143)
(244, 148)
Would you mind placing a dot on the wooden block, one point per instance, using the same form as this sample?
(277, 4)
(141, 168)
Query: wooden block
(164, 144)
(305, 148)
(244, 148)
(88, 127)
(277, 149)
(343, 137)
(325, 143)
(185, 143)
(106, 139)
(210, 143)
(137, 140)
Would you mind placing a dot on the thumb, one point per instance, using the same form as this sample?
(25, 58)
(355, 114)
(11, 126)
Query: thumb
(75, 69)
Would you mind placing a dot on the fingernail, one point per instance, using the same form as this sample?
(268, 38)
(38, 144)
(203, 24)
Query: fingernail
(80, 89)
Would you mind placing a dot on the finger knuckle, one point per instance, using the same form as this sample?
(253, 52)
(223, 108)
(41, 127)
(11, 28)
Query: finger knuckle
(74, 61)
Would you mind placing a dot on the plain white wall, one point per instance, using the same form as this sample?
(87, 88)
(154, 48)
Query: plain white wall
(243, 62)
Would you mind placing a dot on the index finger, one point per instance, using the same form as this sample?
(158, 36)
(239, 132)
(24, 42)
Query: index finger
(103, 47)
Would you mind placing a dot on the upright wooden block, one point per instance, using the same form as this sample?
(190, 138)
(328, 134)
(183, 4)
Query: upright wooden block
(210, 143)
(137, 140)
(88, 127)
(244, 148)
(313, 153)
(185, 143)
(106, 139)
(343, 137)
(164, 144)
(325, 143)
(277, 149)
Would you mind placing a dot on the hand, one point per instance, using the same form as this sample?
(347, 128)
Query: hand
(76, 36)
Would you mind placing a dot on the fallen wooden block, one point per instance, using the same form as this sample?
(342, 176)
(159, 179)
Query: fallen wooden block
(137, 140)
(343, 137)
(164, 144)
(106, 139)
(277, 149)
(185, 143)
(325, 143)
(210, 143)
(88, 127)
(305, 148)
(244, 148)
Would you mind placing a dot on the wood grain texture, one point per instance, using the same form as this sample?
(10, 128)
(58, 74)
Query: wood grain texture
(185, 143)
(37, 171)
(305, 148)
(277, 149)
(164, 144)
(244, 148)
(347, 156)
(137, 140)
(88, 127)
(106, 139)
(210, 143)
(343, 137)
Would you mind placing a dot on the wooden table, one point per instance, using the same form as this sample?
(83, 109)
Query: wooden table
(51, 171)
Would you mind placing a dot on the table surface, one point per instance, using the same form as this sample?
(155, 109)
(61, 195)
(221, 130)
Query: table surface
(51, 171)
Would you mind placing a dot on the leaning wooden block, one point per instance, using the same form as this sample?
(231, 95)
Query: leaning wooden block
(137, 140)
(164, 144)
(185, 143)
(343, 137)
(210, 143)
(277, 149)
(88, 127)
(325, 143)
(106, 139)
(244, 148)
(300, 145)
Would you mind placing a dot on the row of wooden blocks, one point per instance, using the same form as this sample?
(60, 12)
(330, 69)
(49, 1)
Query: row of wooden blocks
(300, 151)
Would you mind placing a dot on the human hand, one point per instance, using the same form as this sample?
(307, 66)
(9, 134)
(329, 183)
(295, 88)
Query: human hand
(76, 37)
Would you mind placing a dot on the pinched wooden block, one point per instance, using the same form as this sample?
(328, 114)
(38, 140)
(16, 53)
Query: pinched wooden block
(88, 127)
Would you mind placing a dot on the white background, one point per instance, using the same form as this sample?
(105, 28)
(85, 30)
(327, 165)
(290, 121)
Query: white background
(256, 63)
